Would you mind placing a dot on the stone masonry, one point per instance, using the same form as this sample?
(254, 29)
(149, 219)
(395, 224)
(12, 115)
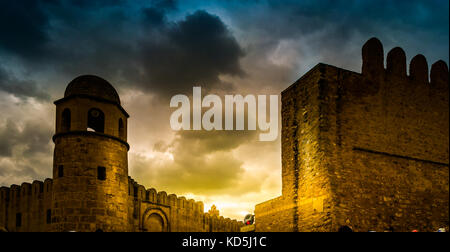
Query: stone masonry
(368, 151)
(91, 189)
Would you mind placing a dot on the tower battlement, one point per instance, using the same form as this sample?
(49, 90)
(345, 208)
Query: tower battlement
(187, 214)
(396, 68)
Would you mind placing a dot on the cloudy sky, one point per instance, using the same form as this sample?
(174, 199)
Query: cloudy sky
(152, 50)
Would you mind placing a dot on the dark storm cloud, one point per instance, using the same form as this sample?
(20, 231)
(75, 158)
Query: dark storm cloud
(364, 16)
(194, 51)
(20, 88)
(330, 28)
(33, 138)
(126, 44)
(23, 27)
(137, 43)
(25, 151)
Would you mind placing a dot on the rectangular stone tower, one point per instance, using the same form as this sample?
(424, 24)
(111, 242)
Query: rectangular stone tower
(367, 151)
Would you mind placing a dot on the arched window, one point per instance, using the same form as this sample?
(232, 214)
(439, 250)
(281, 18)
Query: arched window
(96, 120)
(65, 120)
(121, 129)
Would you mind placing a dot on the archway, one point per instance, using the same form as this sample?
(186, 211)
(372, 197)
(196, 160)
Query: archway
(154, 220)
(154, 223)
(96, 120)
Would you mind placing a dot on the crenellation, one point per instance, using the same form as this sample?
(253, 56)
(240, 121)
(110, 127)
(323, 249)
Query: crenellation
(172, 199)
(200, 207)
(4, 193)
(14, 193)
(439, 76)
(141, 192)
(418, 70)
(25, 205)
(181, 203)
(37, 189)
(190, 204)
(25, 189)
(162, 198)
(152, 195)
(48, 186)
(396, 63)
(373, 58)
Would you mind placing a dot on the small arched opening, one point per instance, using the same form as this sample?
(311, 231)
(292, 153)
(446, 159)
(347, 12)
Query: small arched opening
(121, 129)
(65, 120)
(96, 120)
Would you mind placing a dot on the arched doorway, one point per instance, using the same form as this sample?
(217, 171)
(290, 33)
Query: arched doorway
(154, 223)
(154, 220)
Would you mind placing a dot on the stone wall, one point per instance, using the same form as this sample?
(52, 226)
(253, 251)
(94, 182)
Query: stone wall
(177, 213)
(275, 215)
(369, 150)
(34, 201)
(91, 189)
(390, 164)
(26, 207)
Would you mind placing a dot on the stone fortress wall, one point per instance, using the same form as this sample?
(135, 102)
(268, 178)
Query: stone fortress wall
(365, 150)
(91, 189)
(31, 205)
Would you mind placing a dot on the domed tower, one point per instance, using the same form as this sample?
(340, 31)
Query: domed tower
(90, 162)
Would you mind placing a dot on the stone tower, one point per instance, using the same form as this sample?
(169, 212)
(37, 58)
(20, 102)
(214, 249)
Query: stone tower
(90, 166)
(364, 151)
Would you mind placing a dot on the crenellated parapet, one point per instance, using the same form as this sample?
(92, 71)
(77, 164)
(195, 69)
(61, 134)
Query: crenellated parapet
(213, 223)
(375, 140)
(396, 66)
(182, 214)
(26, 207)
(139, 192)
(26, 191)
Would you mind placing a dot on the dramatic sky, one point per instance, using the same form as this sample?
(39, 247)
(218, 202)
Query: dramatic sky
(152, 50)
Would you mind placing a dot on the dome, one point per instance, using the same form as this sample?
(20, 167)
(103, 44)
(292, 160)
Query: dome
(93, 86)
